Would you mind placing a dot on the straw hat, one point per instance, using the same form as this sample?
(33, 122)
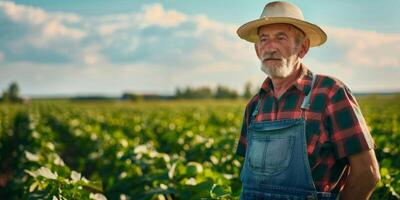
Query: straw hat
(282, 12)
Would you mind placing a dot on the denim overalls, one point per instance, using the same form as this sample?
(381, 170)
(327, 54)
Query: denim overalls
(276, 163)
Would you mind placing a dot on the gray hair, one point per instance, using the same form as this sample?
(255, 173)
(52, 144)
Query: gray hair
(300, 35)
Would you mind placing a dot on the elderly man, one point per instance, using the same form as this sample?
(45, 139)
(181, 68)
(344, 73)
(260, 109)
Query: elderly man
(303, 134)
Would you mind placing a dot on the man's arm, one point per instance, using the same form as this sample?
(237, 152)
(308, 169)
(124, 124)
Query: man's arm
(363, 177)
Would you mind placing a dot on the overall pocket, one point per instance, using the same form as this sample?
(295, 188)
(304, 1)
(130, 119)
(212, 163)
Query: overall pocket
(269, 155)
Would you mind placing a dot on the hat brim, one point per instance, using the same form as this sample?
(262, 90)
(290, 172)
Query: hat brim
(249, 30)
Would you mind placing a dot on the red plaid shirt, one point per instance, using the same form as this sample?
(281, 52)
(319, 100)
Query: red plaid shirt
(335, 127)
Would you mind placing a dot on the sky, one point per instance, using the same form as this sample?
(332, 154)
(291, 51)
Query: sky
(76, 47)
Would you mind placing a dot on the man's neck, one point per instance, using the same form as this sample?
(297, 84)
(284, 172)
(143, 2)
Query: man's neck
(282, 84)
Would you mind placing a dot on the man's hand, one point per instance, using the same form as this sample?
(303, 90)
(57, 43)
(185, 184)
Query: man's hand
(363, 177)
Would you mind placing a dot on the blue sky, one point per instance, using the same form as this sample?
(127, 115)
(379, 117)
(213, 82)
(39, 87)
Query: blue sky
(109, 47)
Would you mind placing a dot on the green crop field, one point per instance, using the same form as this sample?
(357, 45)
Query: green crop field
(148, 150)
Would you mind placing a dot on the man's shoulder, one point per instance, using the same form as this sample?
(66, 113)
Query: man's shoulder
(329, 82)
(252, 102)
(335, 89)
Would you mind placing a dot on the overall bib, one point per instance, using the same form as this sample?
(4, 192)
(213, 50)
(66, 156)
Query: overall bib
(276, 163)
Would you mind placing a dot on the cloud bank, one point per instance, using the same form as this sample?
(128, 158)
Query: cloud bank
(156, 50)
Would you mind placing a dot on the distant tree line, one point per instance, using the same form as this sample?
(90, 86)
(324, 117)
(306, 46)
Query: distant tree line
(11, 94)
(221, 92)
(204, 92)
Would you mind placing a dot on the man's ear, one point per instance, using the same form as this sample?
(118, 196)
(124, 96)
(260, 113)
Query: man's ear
(304, 47)
(256, 48)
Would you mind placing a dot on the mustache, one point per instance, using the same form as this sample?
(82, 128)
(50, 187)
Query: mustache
(268, 56)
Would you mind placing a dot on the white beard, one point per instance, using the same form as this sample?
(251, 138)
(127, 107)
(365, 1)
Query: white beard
(277, 71)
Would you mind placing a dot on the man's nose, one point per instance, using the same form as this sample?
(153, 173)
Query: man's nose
(270, 46)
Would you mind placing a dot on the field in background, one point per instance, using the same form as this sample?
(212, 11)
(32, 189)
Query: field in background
(149, 150)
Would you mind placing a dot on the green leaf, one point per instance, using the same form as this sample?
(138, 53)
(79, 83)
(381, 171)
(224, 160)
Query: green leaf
(218, 191)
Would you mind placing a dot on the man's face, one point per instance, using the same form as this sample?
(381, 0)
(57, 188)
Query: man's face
(278, 50)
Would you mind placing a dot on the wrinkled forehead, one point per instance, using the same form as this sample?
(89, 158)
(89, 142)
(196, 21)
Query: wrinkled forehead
(281, 27)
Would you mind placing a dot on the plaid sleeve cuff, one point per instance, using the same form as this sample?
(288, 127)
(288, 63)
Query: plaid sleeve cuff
(354, 144)
(242, 143)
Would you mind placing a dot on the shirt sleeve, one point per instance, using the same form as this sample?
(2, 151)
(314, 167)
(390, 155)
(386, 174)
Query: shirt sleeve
(242, 144)
(346, 124)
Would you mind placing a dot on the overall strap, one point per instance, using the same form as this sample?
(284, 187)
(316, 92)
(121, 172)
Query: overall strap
(255, 112)
(306, 102)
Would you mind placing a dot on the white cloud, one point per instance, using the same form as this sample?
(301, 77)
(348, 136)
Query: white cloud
(367, 48)
(32, 15)
(203, 24)
(221, 48)
(364, 60)
(212, 40)
(110, 28)
(45, 27)
(54, 29)
(150, 15)
(156, 15)
(23, 14)
(108, 25)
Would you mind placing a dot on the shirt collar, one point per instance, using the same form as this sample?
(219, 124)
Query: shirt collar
(302, 83)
